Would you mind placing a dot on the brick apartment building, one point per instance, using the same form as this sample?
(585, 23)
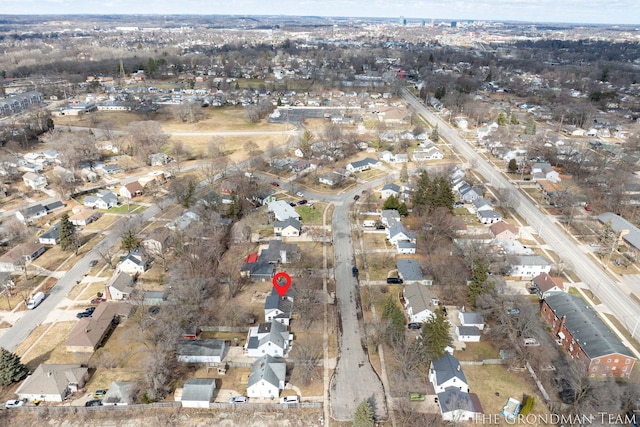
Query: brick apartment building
(586, 337)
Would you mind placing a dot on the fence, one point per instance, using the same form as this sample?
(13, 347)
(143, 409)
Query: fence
(213, 405)
(484, 362)
(224, 328)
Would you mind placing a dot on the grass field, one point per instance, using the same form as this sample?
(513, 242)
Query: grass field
(310, 215)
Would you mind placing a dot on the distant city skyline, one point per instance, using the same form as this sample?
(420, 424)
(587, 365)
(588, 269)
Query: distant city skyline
(621, 12)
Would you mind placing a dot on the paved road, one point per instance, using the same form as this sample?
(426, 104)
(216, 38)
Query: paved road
(100, 132)
(354, 379)
(608, 290)
(21, 329)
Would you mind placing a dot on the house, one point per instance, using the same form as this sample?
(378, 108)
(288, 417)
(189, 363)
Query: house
(267, 378)
(120, 393)
(446, 372)
(19, 256)
(543, 170)
(91, 332)
(389, 190)
(457, 406)
(482, 204)
(282, 210)
(504, 231)
(109, 169)
(51, 236)
(468, 194)
(158, 159)
(53, 382)
(279, 308)
(105, 199)
(406, 247)
(431, 153)
(131, 190)
(417, 302)
(270, 338)
(410, 272)
(467, 334)
(589, 341)
(183, 221)
(627, 233)
(330, 179)
(528, 266)
(134, 262)
(209, 351)
(290, 227)
(546, 285)
(84, 217)
(198, 392)
(489, 216)
(387, 156)
(34, 180)
(471, 318)
(157, 241)
(389, 216)
(120, 286)
(401, 158)
(31, 213)
(363, 165)
(397, 233)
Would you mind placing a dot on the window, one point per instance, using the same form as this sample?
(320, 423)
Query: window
(624, 369)
(594, 370)
(597, 361)
(628, 361)
(616, 361)
(608, 360)
(613, 368)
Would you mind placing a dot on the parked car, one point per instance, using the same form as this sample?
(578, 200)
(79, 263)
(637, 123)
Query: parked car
(414, 325)
(513, 311)
(594, 244)
(93, 263)
(289, 399)
(83, 314)
(531, 342)
(13, 403)
(99, 393)
(394, 280)
(458, 205)
(526, 179)
(292, 204)
(238, 399)
(356, 197)
(380, 227)
(300, 194)
(302, 202)
(90, 310)
(93, 403)
(98, 300)
(275, 184)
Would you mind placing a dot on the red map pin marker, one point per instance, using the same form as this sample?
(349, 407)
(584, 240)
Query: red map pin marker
(281, 288)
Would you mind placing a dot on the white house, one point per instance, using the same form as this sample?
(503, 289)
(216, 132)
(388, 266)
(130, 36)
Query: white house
(51, 236)
(427, 154)
(529, 266)
(282, 210)
(105, 199)
(53, 383)
(471, 318)
(31, 213)
(84, 217)
(482, 204)
(279, 308)
(133, 263)
(389, 190)
(198, 392)
(290, 227)
(489, 216)
(467, 334)
(267, 378)
(387, 156)
(397, 233)
(541, 171)
(417, 302)
(457, 406)
(270, 338)
(34, 180)
(446, 372)
(362, 165)
(131, 190)
(209, 351)
(120, 286)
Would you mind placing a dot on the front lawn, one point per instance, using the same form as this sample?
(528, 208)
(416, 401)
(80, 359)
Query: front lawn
(310, 215)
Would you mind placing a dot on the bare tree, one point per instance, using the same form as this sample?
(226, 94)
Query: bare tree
(307, 354)
(146, 138)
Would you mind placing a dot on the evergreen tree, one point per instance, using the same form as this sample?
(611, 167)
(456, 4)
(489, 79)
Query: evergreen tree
(421, 195)
(404, 173)
(435, 135)
(480, 284)
(514, 120)
(392, 313)
(403, 210)
(129, 241)
(513, 166)
(440, 93)
(11, 368)
(435, 335)
(391, 203)
(502, 119)
(67, 233)
(363, 416)
(530, 129)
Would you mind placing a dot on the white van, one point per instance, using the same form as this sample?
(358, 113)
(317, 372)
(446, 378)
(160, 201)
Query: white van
(35, 300)
(368, 223)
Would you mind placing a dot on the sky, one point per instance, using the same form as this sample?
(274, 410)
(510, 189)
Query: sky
(567, 11)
